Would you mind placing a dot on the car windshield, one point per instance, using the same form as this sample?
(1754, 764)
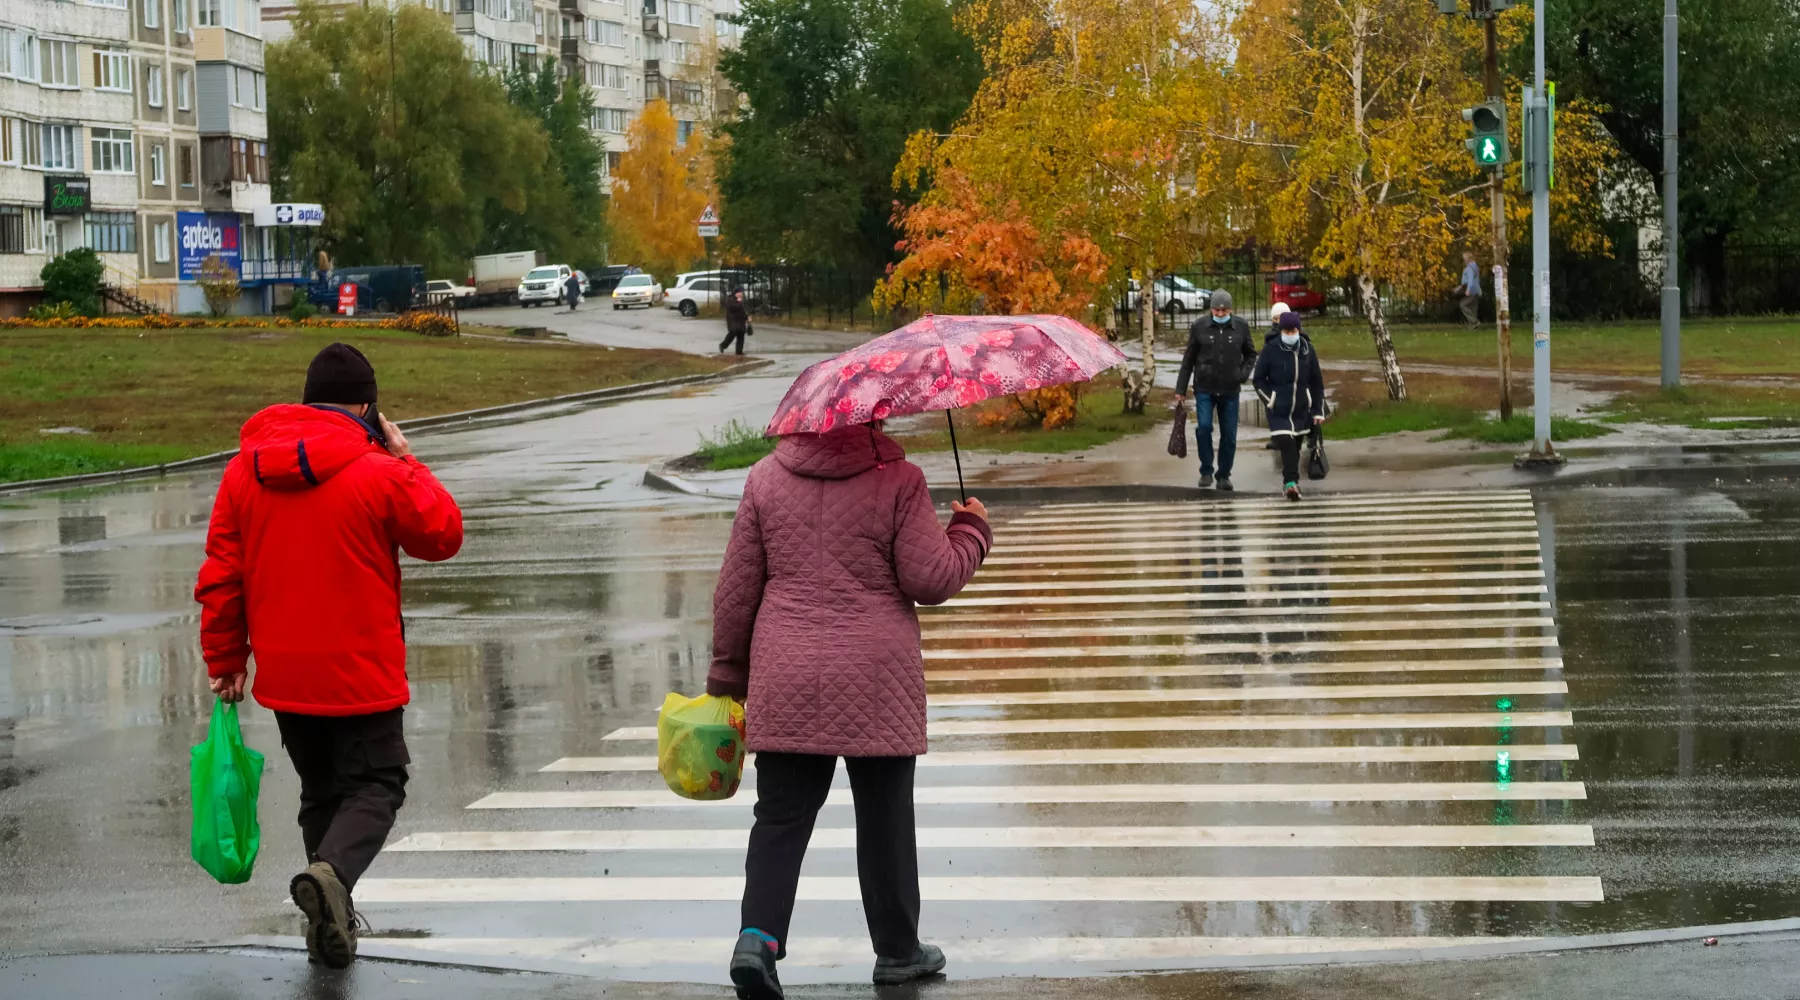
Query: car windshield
(1181, 283)
(542, 274)
(440, 286)
(634, 280)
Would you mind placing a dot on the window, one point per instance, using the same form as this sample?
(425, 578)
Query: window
(112, 232)
(53, 147)
(18, 54)
(12, 229)
(262, 82)
(537, 22)
(682, 12)
(107, 3)
(159, 164)
(684, 130)
(57, 64)
(678, 51)
(610, 120)
(112, 70)
(249, 161)
(683, 92)
(9, 140)
(606, 33)
(184, 164)
(212, 13)
(247, 88)
(153, 86)
(606, 76)
(181, 16)
(184, 89)
(112, 151)
(162, 243)
(153, 13)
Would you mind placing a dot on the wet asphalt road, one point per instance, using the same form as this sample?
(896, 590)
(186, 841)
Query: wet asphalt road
(580, 599)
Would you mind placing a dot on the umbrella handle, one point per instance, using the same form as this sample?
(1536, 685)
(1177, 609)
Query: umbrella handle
(957, 455)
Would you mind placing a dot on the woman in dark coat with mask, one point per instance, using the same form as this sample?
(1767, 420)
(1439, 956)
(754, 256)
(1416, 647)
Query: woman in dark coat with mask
(1292, 387)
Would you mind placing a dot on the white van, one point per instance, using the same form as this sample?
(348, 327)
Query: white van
(544, 284)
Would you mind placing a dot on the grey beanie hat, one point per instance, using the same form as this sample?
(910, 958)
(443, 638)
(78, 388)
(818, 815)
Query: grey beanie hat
(1221, 299)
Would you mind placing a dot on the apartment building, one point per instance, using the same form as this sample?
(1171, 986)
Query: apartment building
(135, 128)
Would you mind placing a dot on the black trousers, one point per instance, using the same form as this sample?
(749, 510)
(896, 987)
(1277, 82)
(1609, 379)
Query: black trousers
(352, 772)
(730, 336)
(1289, 446)
(790, 789)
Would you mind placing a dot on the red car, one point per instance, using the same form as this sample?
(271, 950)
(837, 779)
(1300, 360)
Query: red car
(1291, 286)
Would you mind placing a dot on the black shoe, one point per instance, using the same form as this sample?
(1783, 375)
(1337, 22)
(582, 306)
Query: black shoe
(928, 961)
(753, 969)
(1206, 480)
(1223, 484)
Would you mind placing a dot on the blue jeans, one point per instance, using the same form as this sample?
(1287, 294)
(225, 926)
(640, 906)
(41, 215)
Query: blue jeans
(1227, 406)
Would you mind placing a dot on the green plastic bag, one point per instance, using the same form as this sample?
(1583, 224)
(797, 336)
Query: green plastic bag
(700, 746)
(225, 776)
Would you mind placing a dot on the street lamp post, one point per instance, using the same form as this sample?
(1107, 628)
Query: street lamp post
(1671, 283)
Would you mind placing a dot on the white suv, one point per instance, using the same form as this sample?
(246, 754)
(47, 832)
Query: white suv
(544, 284)
(703, 288)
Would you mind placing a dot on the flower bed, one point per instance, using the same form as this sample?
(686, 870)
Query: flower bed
(428, 323)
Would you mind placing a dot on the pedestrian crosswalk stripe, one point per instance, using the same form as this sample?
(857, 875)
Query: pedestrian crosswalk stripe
(1129, 756)
(964, 675)
(1376, 500)
(1283, 515)
(1275, 542)
(1215, 723)
(1047, 888)
(943, 635)
(1341, 581)
(1148, 651)
(1312, 524)
(940, 619)
(948, 795)
(1293, 534)
(1224, 568)
(1022, 837)
(1295, 692)
(1197, 597)
(1163, 553)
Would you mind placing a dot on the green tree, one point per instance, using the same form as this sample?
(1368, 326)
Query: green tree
(834, 88)
(380, 116)
(565, 215)
(1740, 84)
(74, 277)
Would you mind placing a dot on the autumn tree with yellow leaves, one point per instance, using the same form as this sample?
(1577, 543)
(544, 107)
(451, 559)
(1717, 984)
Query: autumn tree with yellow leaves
(659, 190)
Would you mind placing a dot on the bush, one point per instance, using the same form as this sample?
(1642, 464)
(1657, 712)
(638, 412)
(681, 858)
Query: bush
(736, 445)
(74, 277)
(428, 323)
(52, 311)
(302, 310)
(219, 283)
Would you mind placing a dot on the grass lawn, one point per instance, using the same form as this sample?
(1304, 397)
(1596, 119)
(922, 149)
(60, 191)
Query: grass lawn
(1711, 406)
(1734, 346)
(1099, 421)
(150, 396)
(1455, 404)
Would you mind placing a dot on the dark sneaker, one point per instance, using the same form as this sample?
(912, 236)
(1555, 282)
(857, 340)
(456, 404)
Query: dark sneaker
(753, 969)
(928, 961)
(1206, 480)
(330, 922)
(1293, 491)
(1223, 483)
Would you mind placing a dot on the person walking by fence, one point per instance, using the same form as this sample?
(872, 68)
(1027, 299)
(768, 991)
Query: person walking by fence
(302, 571)
(1292, 388)
(1220, 355)
(1470, 291)
(815, 628)
(737, 321)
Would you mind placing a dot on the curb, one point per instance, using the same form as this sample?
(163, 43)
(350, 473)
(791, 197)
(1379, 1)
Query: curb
(417, 423)
(658, 477)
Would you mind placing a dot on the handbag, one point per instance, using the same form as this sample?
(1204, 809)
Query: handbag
(1178, 432)
(1317, 466)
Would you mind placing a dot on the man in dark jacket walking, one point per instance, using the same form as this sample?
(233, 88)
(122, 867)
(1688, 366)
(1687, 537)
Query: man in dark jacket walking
(572, 289)
(1220, 356)
(737, 321)
(302, 572)
(1292, 388)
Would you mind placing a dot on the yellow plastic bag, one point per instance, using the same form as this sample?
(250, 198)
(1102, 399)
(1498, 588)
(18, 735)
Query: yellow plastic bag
(700, 746)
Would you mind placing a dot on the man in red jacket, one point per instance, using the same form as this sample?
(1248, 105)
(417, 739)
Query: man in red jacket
(303, 571)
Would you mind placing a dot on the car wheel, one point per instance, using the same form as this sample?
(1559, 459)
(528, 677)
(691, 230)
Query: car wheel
(382, 306)
(688, 308)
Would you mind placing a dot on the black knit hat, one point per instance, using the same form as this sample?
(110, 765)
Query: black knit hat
(1289, 320)
(339, 374)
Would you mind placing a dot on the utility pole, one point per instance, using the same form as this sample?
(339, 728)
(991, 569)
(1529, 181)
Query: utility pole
(1671, 283)
(1539, 150)
(1490, 71)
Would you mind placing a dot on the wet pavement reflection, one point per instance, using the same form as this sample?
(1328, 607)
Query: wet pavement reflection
(1425, 718)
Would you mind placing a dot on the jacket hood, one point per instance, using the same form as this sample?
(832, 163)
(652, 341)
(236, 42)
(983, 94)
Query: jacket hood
(837, 454)
(294, 447)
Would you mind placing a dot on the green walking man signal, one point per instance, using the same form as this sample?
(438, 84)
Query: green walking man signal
(1487, 121)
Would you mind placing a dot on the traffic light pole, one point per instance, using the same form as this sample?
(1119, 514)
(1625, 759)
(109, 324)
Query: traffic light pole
(1671, 283)
(1490, 68)
(1542, 451)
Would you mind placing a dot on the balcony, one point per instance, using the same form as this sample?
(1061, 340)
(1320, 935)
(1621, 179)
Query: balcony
(653, 24)
(570, 7)
(656, 88)
(571, 47)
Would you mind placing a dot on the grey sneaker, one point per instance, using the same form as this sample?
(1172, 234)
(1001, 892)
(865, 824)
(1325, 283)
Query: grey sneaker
(753, 969)
(1223, 483)
(330, 921)
(1206, 480)
(928, 961)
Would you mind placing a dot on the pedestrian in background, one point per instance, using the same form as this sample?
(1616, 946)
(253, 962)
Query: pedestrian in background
(1470, 290)
(737, 321)
(1292, 388)
(302, 572)
(572, 289)
(815, 628)
(1220, 356)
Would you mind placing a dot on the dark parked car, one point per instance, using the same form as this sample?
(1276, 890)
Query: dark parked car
(605, 279)
(385, 288)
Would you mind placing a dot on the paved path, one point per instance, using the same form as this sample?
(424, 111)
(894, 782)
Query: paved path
(1161, 737)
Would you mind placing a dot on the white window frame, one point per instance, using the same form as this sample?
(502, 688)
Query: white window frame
(154, 89)
(159, 164)
(112, 71)
(114, 151)
(162, 243)
(181, 16)
(184, 88)
(106, 3)
(153, 13)
(59, 146)
(212, 13)
(11, 141)
(684, 8)
(262, 86)
(68, 59)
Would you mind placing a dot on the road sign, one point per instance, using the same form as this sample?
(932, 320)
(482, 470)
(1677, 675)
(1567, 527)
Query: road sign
(347, 298)
(708, 224)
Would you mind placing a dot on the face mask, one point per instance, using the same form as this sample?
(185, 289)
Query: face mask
(1290, 339)
(1221, 320)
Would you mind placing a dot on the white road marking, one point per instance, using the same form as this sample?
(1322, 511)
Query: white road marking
(1283, 515)
(977, 674)
(1274, 543)
(1196, 597)
(1219, 570)
(1285, 692)
(1378, 500)
(1021, 837)
(942, 795)
(1222, 648)
(1172, 554)
(956, 618)
(1124, 527)
(1280, 625)
(1046, 889)
(1338, 580)
(1301, 533)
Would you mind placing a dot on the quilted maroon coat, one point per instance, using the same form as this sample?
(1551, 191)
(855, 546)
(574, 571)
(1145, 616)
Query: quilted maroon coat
(814, 617)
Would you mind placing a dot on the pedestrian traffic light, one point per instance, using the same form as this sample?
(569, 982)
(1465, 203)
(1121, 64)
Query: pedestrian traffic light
(1487, 122)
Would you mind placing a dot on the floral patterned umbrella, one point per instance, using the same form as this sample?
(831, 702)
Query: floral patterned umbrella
(941, 363)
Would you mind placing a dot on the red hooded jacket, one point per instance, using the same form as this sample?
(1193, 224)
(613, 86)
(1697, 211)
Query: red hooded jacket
(302, 561)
